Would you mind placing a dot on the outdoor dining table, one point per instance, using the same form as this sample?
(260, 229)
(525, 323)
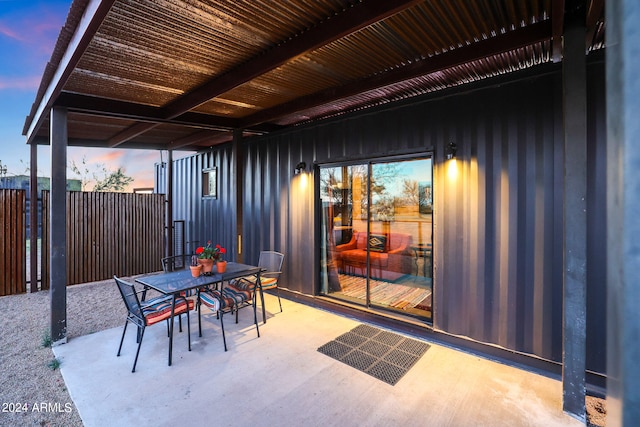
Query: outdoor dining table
(175, 282)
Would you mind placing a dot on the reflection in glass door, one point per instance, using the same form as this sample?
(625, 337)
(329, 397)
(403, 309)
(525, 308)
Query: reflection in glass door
(376, 229)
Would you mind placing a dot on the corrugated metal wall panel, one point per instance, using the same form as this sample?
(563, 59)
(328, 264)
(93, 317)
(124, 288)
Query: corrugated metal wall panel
(497, 225)
(495, 243)
(205, 218)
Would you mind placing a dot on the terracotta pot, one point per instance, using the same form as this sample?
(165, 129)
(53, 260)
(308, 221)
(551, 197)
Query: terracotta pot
(207, 265)
(221, 266)
(196, 270)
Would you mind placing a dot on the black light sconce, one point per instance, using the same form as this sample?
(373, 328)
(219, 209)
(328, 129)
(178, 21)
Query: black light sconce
(300, 167)
(451, 150)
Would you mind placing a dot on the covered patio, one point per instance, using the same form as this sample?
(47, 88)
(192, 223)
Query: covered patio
(257, 88)
(281, 379)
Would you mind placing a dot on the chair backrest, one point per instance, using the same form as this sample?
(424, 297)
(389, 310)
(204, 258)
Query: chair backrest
(271, 261)
(176, 262)
(130, 298)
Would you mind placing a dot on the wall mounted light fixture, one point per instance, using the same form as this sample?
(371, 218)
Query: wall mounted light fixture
(451, 150)
(300, 167)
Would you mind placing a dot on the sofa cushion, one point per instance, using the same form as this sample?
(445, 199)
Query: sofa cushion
(358, 258)
(377, 243)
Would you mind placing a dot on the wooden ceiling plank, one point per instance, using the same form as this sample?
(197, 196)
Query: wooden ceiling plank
(353, 19)
(509, 41)
(356, 17)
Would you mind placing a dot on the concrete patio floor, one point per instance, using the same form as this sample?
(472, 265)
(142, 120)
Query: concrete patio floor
(280, 379)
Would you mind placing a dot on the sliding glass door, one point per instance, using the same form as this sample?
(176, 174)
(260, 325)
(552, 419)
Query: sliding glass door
(376, 229)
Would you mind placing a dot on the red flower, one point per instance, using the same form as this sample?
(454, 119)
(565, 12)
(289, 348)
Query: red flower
(215, 253)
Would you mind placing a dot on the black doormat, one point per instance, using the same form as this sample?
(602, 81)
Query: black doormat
(384, 355)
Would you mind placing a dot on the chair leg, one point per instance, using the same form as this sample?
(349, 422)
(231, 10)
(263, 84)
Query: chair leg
(255, 316)
(135, 361)
(278, 293)
(224, 339)
(198, 304)
(122, 339)
(188, 327)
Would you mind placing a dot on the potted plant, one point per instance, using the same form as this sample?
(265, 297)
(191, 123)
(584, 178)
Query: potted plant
(221, 264)
(207, 255)
(196, 269)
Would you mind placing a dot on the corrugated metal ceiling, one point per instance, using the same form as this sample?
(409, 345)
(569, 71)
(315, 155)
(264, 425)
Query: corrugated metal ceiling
(185, 73)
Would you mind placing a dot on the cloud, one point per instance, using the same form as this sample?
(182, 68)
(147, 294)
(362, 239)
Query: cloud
(9, 33)
(29, 83)
(28, 33)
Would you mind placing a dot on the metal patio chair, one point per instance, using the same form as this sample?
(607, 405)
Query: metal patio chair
(147, 313)
(229, 299)
(271, 262)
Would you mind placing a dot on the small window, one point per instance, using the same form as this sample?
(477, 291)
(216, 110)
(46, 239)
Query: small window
(210, 182)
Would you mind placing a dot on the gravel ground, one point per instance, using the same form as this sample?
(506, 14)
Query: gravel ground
(31, 392)
(34, 394)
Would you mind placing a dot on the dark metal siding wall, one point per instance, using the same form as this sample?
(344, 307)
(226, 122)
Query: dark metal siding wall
(278, 208)
(498, 225)
(205, 218)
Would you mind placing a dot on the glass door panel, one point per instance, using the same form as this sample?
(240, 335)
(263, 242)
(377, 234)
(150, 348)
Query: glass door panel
(343, 191)
(377, 223)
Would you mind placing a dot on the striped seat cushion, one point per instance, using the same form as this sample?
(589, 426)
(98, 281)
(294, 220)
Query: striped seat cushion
(266, 282)
(211, 299)
(269, 283)
(190, 292)
(157, 311)
(239, 291)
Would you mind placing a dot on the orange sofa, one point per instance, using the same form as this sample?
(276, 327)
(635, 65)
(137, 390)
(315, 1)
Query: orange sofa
(391, 255)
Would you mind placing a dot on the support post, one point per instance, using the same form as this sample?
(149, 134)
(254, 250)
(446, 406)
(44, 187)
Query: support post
(170, 251)
(574, 83)
(623, 206)
(238, 157)
(58, 225)
(33, 218)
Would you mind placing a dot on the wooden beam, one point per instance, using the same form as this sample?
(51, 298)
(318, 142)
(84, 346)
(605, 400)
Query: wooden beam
(557, 22)
(503, 43)
(102, 107)
(352, 19)
(193, 139)
(101, 143)
(594, 14)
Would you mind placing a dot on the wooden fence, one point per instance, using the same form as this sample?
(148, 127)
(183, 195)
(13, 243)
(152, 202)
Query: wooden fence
(107, 234)
(110, 233)
(12, 242)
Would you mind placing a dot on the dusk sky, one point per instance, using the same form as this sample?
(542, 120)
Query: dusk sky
(28, 32)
